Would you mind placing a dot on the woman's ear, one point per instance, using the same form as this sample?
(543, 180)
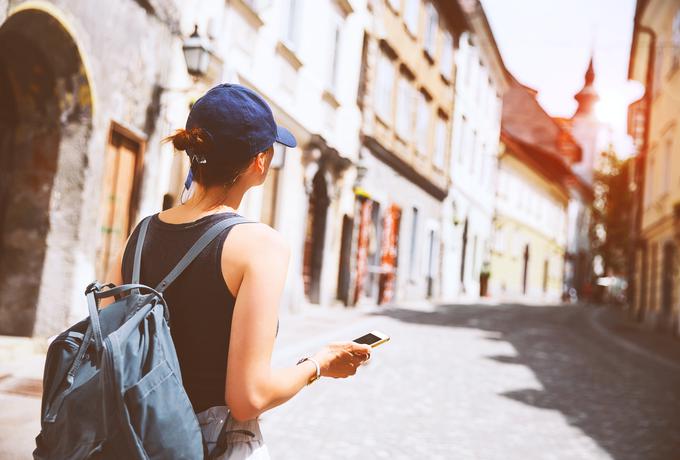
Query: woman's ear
(261, 162)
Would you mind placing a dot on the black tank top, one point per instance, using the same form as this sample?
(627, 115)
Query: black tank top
(200, 304)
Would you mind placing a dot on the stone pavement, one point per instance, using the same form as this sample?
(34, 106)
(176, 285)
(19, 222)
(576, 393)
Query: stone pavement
(493, 382)
(454, 382)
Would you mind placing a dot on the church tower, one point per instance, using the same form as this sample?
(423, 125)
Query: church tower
(585, 127)
(587, 97)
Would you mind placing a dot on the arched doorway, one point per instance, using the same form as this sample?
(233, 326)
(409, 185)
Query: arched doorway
(667, 278)
(315, 237)
(45, 122)
(463, 255)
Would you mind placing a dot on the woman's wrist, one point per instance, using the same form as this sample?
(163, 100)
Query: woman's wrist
(314, 365)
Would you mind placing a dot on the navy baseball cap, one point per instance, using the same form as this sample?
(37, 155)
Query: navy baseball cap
(238, 121)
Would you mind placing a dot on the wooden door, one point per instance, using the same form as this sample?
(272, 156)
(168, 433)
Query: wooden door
(119, 184)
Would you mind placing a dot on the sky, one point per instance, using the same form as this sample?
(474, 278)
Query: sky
(546, 44)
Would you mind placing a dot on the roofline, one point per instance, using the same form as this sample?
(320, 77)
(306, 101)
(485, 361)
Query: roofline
(478, 12)
(640, 7)
(550, 173)
(552, 119)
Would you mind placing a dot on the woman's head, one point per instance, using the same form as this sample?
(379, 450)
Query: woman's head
(229, 135)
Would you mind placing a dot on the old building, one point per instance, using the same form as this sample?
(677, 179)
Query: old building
(81, 127)
(535, 188)
(407, 100)
(468, 210)
(653, 123)
(584, 128)
(304, 57)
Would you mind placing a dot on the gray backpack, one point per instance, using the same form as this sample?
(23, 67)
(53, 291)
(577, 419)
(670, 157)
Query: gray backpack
(112, 387)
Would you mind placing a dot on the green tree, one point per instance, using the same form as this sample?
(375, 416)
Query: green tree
(611, 213)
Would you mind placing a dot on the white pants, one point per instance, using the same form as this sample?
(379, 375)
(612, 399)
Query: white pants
(231, 439)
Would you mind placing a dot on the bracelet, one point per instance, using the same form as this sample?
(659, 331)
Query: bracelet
(318, 369)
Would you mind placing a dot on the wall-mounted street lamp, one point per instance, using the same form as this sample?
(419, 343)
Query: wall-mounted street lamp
(197, 54)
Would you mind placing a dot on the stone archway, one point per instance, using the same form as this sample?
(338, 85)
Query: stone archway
(45, 125)
(315, 237)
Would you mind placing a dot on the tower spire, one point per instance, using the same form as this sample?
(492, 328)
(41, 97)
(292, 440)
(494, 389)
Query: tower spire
(587, 97)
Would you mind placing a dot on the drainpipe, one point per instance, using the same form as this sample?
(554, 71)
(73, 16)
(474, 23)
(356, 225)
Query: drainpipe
(642, 157)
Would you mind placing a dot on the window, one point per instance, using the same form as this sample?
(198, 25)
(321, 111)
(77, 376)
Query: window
(463, 139)
(291, 26)
(667, 167)
(471, 66)
(675, 40)
(118, 199)
(446, 62)
(649, 195)
(383, 87)
(485, 163)
(481, 83)
(423, 124)
(245, 37)
(405, 104)
(472, 151)
(440, 139)
(414, 245)
(395, 4)
(431, 29)
(257, 5)
(411, 16)
(334, 51)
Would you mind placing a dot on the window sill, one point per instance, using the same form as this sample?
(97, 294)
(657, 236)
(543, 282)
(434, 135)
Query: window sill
(328, 97)
(345, 7)
(393, 8)
(286, 52)
(380, 119)
(428, 55)
(248, 13)
(409, 32)
(446, 79)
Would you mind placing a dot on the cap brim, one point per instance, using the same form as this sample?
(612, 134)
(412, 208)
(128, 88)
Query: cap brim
(283, 136)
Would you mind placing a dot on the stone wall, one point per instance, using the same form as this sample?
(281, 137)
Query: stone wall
(122, 52)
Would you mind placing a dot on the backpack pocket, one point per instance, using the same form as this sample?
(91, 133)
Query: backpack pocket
(161, 415)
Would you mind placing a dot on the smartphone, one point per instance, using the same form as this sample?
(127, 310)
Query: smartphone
(373, 338)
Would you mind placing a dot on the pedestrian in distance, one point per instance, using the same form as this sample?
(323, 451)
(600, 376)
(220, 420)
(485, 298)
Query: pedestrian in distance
(223, 308)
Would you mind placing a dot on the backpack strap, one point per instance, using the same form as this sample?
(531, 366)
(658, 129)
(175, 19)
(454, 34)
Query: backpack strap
(198, 247)
(136, 267)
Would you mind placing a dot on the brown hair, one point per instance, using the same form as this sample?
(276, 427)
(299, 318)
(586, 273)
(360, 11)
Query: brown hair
(210, 165)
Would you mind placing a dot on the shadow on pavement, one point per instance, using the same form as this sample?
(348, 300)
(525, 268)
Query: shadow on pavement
(628, 404)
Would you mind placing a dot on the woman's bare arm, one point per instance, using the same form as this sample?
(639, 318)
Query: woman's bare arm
(252, 386)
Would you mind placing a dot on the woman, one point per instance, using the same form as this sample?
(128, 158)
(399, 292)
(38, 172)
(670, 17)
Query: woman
(223, 308)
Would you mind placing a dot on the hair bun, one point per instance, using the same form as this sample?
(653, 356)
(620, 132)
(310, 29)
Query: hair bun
(193, 139)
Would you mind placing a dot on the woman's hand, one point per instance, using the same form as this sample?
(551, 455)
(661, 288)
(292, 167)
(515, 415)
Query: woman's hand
(341, 359)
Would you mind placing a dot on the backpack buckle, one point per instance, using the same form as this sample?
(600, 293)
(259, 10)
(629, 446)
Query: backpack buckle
(93, 286)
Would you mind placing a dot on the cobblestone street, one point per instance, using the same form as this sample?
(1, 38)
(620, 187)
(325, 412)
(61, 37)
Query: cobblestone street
(491, 382)
(481, 382)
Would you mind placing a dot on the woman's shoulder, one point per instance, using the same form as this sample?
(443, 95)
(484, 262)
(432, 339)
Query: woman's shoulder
(257, 233)
(255, 238)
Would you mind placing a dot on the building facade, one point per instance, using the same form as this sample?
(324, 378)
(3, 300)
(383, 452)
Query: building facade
(82, 135)
(530, 223)
(530, 129)
(653, 123)
(79, 146)
(406, 97)
(303, 56)
(468, 210)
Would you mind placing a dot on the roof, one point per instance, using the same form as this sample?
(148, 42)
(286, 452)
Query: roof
(524, 119)
(548, 164)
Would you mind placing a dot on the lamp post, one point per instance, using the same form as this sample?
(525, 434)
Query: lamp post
(197, 54)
